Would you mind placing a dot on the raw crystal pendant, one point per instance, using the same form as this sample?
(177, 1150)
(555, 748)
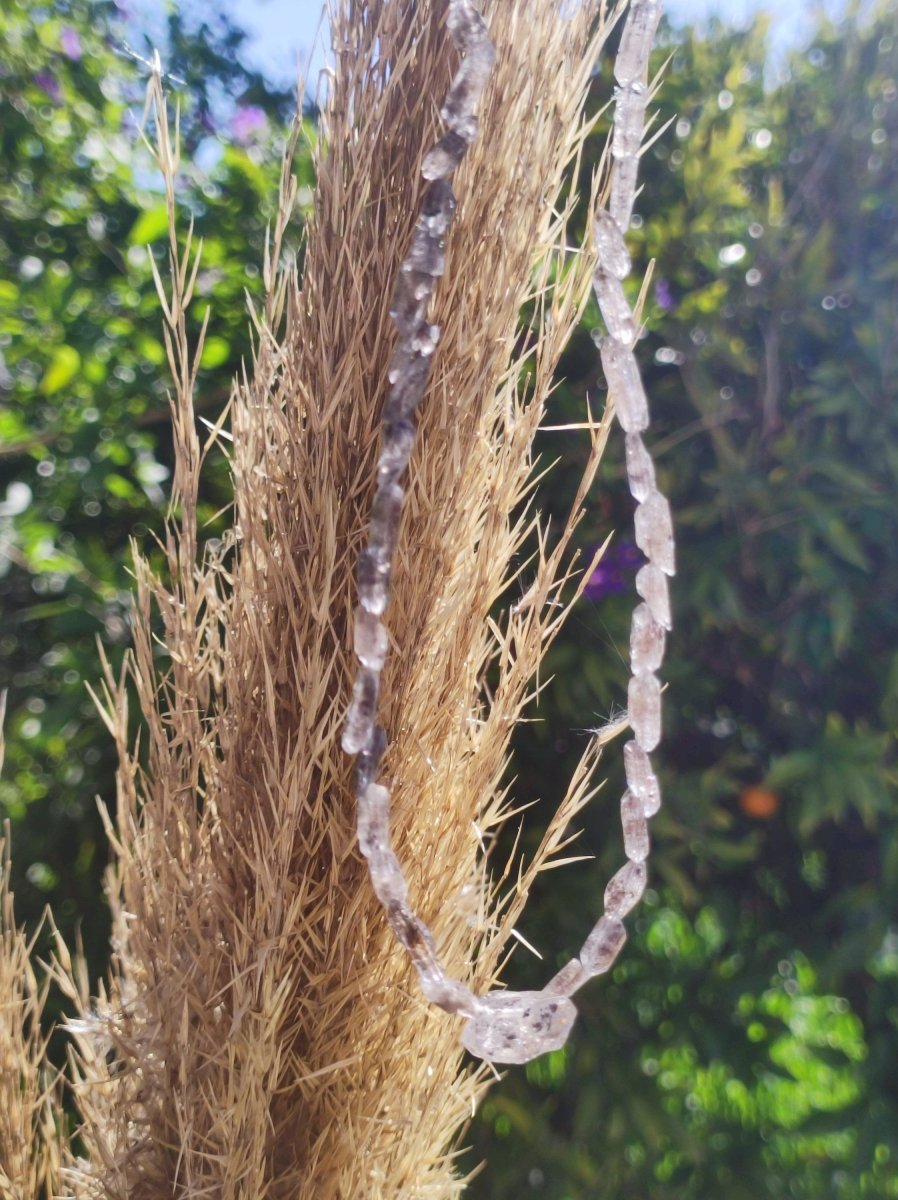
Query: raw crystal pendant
(514, 1027)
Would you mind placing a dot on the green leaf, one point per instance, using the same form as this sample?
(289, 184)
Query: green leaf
(149, 226)
(117, 485)
(63, 366)
(216, 350)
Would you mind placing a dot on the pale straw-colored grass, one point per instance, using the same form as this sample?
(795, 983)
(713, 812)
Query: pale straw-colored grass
(33, 1143)
(262, 1035)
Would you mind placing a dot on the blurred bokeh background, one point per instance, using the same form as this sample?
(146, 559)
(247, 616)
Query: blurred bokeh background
(746, 1043)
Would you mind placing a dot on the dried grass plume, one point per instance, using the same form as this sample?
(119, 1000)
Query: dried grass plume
(261, 1035)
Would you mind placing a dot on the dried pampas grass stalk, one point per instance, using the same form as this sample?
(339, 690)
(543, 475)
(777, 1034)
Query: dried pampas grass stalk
(34, 1148)
(262, 1035)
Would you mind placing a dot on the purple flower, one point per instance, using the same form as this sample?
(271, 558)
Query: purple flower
(663, 295)
(613, 574)
(70, 43)
(50, 84)
(247, 122)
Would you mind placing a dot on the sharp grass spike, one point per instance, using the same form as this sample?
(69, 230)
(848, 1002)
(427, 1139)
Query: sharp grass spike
(506, 1026)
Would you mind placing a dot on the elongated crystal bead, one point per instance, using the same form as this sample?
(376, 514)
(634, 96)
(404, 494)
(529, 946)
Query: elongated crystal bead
(625, 889)
(644, 710)
(635, 827)
(603, 945)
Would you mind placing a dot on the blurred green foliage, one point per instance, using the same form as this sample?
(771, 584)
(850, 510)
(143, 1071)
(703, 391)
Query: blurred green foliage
(759, 994)
(744, 1044)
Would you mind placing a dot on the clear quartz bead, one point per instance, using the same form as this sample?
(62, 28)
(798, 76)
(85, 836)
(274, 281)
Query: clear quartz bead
(654, 531)
(612, 250)
(635, 827)
(641, 778)
(651, 584)
(646, 641)
(447, 993)
(515, 1027)
(370, 640)
(443, 159)
(603, 945)
(615, 309)
(639, 31)
(374, 820)
(625, 889)
(359, 725)
(624, 385)
(566, 981)
(644, 710)
(386, 876)
(640, 468)
(629, 118)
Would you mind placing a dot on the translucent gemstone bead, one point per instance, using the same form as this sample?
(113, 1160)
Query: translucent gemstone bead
(625, 386)
(571, 977)
(644, 710)
(639, 30)
(370, 640)
(514, 1027)
(612, 251)
(623, 189)
(408, 376)
(635, 827)
(640, 468)
(625, 889)
(374, 819)
(373, 574)
(651, 583)
(359, 725)
(641, 778)
(409, 301)
(427, 253)
(629, 111)
(437, 208)
(447, 993)
(386, 876)
(615, 309)
(395, 449)
(385, 514)
(368, 761)
(646, 641)
(603, 945)
(442, 160)
(654, 532)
